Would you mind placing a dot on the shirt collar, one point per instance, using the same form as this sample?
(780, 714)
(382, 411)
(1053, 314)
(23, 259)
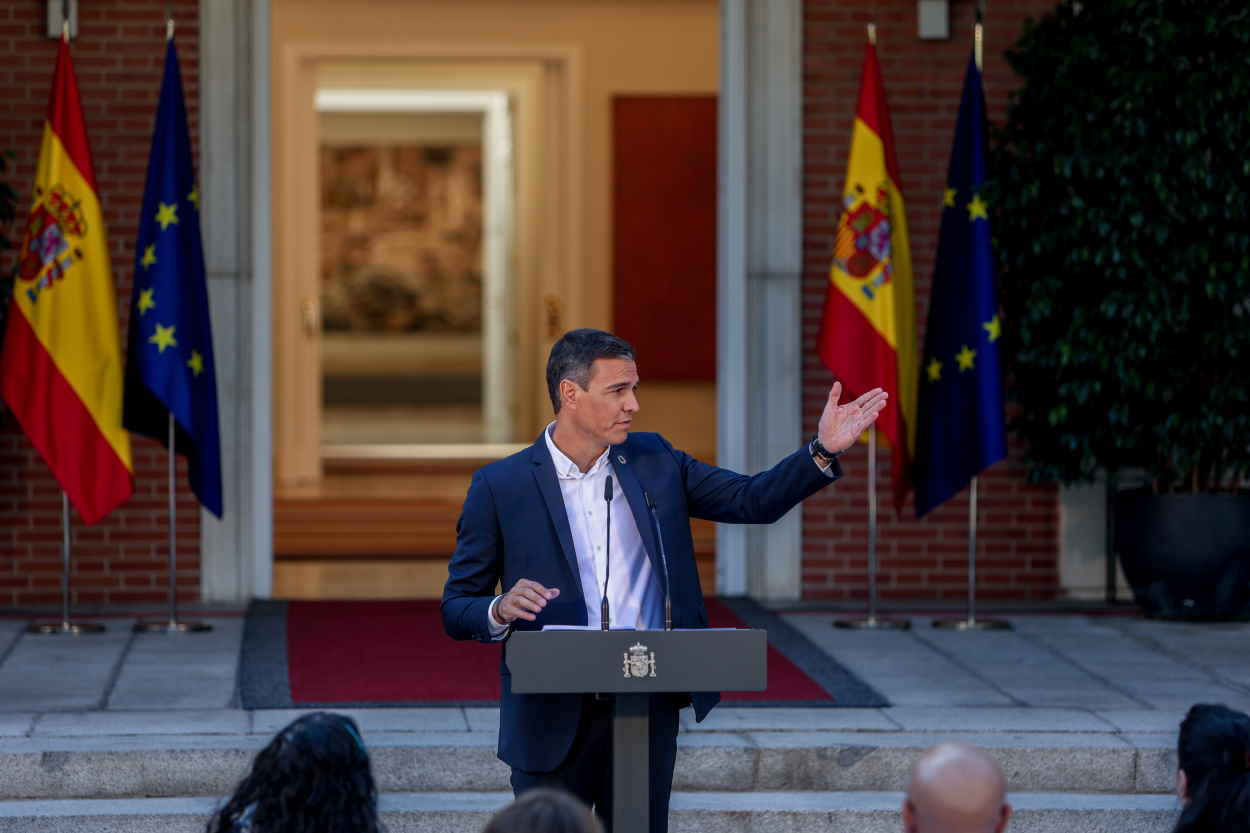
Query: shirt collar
(566, 469)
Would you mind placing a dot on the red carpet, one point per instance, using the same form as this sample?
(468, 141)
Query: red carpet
(396, 652)
(786, 681)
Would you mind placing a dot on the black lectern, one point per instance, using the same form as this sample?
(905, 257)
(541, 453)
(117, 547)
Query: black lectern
(633, 665)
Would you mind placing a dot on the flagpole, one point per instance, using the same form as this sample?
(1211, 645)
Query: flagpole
(971, 622)
(65, 625)
(872, 622)
(172, 625)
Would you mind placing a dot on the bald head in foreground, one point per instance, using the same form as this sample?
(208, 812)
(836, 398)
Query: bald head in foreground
(956, 788)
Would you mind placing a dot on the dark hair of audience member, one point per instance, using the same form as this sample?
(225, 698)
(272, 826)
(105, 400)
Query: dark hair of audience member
(545, 810)
(1213, 752)
(314, 775)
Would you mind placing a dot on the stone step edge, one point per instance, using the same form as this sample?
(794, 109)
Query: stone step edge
(795, 802)
(822, 738)
(102, 769)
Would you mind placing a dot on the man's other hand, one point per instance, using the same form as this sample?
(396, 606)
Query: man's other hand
(525, 601)
(841, 425)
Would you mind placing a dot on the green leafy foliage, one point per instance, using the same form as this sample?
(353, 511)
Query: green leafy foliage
(1122, 194)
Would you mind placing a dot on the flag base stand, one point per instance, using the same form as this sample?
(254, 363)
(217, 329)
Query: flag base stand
(65, 626)
(972, 624)
(72, 628)
(172, 626)
(872, 623)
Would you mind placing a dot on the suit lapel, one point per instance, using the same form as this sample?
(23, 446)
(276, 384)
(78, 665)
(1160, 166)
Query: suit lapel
(545, 476)
(637, 504)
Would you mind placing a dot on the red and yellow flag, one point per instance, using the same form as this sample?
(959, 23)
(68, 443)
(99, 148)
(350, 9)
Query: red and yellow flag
(61, 368)
(868, 335)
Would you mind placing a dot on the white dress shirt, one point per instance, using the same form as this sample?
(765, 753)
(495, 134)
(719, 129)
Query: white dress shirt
(635, 595)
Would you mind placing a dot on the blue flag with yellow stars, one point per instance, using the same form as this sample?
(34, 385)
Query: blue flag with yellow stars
(169, 361)
(961, 425)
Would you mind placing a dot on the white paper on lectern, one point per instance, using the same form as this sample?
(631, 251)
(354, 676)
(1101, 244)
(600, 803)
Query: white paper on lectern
(655, 630)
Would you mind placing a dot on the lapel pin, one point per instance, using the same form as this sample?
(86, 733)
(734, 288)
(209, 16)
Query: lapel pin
(620, 458)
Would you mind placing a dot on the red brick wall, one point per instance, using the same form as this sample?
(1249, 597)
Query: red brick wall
(118, 57)
(1018, 552)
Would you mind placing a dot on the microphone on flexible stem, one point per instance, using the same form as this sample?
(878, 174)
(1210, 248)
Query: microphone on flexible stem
(668, 596)
(605, 619)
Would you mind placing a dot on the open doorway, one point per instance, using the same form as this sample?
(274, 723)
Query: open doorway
(367, 508)
(416, 238)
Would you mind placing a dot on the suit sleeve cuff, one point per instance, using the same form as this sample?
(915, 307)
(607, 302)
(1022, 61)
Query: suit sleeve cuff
(832, 471)
(496, 630)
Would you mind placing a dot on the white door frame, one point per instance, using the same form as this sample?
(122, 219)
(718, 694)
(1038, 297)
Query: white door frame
(498, 372)
(758, 286)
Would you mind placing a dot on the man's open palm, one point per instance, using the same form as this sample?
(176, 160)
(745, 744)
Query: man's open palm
(840, 425)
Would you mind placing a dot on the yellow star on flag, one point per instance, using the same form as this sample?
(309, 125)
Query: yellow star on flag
(166, 215)
(934, 369)
(164, 337)
(194, 197)
(948, 198)
(196, 363)
(977, 209)
(994, 328)
(965, 358)
(147, 300)
(149, 256)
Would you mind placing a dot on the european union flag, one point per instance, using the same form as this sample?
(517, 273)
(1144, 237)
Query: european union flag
(169, 362)
(961, 427)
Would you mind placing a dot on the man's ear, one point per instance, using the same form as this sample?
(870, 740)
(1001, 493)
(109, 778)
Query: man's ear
(1182, 786)
(568, 393)
(1006, 817)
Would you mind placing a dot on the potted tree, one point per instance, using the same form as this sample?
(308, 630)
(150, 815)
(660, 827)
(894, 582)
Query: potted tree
(1122, 199)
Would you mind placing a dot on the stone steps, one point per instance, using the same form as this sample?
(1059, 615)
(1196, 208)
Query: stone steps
(155, 765)
(707, 812)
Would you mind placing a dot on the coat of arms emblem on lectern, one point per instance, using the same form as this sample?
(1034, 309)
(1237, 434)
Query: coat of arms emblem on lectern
(638, 662)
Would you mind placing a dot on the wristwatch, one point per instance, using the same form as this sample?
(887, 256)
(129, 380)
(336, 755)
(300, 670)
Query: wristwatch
(822, 455)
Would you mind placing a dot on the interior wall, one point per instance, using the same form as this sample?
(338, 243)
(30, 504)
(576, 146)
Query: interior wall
(626, 47)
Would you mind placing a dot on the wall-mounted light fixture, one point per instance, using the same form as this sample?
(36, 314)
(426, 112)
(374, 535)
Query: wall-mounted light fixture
(933, 19)
(60, 10)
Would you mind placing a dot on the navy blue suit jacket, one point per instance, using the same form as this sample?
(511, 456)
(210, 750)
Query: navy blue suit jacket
(513, 526)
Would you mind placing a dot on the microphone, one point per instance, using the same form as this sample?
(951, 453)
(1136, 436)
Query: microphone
(668, 596)
(605, 619)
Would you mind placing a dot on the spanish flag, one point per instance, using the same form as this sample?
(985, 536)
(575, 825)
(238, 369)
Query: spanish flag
(61, 368)
(868, 334)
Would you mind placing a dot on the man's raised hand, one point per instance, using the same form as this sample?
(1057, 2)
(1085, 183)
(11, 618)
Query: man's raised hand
(525, 601)
(840, 425)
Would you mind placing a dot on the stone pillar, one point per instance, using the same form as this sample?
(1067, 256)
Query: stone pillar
(759, 279)
(236, 552)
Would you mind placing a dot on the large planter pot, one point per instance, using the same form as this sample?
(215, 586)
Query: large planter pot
(1186, 556)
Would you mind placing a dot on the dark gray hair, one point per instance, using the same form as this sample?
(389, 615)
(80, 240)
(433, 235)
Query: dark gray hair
(572, 356)
(545, 810)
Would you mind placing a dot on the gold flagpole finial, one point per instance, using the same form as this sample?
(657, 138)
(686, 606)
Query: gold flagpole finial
(872, 33)
(977, 39)
(65, 29)
(169, 28)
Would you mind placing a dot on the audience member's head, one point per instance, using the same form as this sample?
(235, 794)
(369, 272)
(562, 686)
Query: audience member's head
(545, 811)
(1213, 778)
(956, 788)
(314, 775)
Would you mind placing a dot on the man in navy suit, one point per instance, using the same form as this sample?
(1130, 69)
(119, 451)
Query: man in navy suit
(536, 524)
